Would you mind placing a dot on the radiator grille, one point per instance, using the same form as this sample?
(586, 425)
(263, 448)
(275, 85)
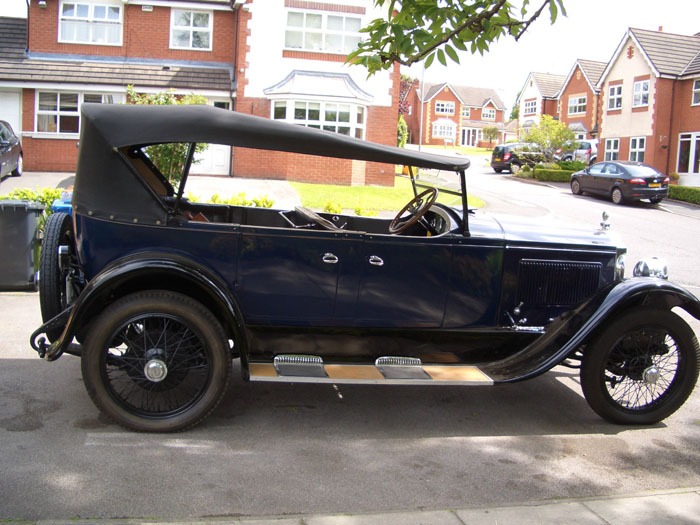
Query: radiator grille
(550, 283)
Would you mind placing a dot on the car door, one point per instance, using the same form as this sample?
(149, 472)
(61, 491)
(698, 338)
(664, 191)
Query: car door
(8, 145)
(403, 281)
(290, 276)
(590, 177)
(611, 173)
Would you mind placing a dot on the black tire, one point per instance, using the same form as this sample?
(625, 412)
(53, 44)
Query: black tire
(616, 196)
(576, 187)
(53, 297)
(149, 329)
(619, 367)
(514, 166)
(498, 170)
(656, 200)
(17, 172)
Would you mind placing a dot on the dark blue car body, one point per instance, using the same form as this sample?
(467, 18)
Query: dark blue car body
(456, 297)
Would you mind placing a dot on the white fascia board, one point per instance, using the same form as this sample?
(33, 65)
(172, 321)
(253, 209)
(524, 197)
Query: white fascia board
(440, 91)
(186, 91)
(522, 89)
(628, 36)
(56, 86)
(198, 6)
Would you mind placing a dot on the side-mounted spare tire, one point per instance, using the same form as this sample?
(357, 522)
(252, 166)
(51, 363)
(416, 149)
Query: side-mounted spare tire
(641, 368)
(53, 293)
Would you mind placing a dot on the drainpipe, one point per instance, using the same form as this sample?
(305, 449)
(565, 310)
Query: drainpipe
(26, 46)
(670, 126)
(236, 7)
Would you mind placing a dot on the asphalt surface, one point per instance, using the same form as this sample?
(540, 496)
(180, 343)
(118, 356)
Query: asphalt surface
(283, 453)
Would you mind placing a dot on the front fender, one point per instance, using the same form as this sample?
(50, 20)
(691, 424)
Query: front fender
(573, 329)
(123, 275)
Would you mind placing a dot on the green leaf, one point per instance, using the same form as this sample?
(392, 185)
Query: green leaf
(452, 53)
(553, 11)
(458, 43)
(429, 60)
(441, 57)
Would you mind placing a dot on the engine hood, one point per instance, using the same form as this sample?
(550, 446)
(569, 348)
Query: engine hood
(525, 230)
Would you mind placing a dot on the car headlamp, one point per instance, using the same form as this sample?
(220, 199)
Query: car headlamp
(620, 267)
(651, 267)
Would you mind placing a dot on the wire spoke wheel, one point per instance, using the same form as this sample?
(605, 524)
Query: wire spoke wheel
(641, 368)
(156, 361)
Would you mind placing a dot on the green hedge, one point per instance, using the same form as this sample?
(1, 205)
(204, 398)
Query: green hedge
(553, 175)
(684, 193)
(575, 165)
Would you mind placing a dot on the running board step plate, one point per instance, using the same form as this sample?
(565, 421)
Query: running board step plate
(388, 370)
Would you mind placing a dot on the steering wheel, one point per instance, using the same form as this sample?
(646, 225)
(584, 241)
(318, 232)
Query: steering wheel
(416, 208)
(312, 216)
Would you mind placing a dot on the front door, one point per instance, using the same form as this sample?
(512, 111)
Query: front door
(216, 158)
(403, 282)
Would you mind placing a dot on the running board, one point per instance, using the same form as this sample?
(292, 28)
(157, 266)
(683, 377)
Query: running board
(385, 371)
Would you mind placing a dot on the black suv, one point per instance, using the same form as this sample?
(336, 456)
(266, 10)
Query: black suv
(518, 154)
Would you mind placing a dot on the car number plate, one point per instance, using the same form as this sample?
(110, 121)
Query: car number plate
(657, 185)
(497, 159)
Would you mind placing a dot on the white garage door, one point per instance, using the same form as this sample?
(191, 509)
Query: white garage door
(10, 109)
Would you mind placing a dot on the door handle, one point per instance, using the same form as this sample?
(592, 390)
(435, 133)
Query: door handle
(376, 261)
(330, 258)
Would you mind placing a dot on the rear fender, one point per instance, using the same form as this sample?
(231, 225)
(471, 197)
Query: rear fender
(152, 271)
(580, 326)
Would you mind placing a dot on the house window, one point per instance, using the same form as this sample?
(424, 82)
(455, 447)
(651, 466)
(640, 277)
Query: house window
(444, 108)
(641, 94)
(615, 97)
(577, 105)
(696, 93)
(60, 112)
(346, 119)
(329, 33)
(444, 129)
(612, 149)
(530, 107)
(466, 112)
(637, 147)
(88, 23)
(488, 114)
(191, 29)
(689, 153)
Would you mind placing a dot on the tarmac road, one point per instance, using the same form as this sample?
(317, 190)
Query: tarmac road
(282, 449)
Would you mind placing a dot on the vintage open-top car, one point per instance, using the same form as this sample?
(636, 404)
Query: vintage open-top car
(158, 295)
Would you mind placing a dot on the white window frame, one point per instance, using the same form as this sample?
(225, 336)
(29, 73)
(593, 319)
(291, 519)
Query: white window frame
(191, 29)
(443, 129)
(612, 149)
(640, 96)
(488, 114)
(577, 105)
(615, 97)
(637, 148)
(91, 21)
(530, 105)
(466, 112)
(348, 38)
(356, 124)
(443, 107)
(693, 140)
(112, 98)
(695, 99)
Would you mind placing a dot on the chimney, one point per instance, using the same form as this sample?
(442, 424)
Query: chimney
(661, 29)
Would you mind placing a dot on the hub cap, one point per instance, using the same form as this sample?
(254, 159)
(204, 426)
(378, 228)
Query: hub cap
(651, 375)
(155, 370)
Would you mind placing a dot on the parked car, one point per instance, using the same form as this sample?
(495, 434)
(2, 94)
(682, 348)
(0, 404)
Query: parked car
(515, 155)
(158, 294)
(585, 151)
(621, 181)
(10, 151)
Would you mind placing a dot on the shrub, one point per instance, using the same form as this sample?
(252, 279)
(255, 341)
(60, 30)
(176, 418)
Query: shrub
(553, 175)
(571, 165)
(332, 207)
(684, 193)
(44, 196)
(527, 168)
(401, 132)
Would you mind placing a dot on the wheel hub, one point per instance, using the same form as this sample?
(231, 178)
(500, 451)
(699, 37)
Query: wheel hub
(155, 370)
(651, 375)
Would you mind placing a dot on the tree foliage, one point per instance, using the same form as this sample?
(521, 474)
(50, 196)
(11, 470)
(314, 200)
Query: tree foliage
(490, 133)
(404, 87)
(401, 132)
(549, 135)
(168, 158)
(415, 30)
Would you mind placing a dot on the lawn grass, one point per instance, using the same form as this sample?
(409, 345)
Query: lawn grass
(376, 198)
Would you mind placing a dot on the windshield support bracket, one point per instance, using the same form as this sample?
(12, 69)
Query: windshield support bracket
(185, 173)
(465, 207)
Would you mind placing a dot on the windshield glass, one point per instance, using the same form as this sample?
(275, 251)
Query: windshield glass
(642, 171)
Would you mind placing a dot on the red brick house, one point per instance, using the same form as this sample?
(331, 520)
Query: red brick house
(454, 115)
(650, 103)
(273, 58)
(538, 97)
(578, 98)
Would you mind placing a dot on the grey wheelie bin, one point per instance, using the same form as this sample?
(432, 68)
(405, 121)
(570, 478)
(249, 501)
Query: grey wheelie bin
(18, 223)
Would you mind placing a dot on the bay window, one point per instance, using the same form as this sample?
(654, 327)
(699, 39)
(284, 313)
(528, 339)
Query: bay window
(346, 119)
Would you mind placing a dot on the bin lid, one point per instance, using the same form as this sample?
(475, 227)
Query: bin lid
(25, 205)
